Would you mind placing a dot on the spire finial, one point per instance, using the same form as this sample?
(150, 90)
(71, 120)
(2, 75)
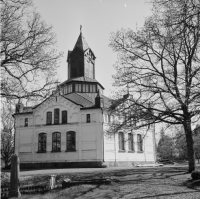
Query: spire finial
(80, 28)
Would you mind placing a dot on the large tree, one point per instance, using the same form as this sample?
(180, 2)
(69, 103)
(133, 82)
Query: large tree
(7, 132)
(166, 147)
(28, 57)
(160, 63)
(181, 146)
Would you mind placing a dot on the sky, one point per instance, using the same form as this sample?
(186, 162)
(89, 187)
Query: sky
(98, 19)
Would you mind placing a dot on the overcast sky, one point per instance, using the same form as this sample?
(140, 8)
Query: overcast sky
(98, 19)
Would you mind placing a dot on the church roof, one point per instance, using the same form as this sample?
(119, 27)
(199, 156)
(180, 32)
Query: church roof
(81, 79)
(81, 43)
(79, 99)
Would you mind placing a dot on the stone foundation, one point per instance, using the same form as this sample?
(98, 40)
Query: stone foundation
(56, 165)
(99, 164)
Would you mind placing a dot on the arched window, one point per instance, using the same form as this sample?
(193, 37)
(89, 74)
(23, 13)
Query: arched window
(121, 141)
(49, 117)
(130, 142)
(26, 122)
(71, 141)
(42, 142)
(56, 141)
(56, 115)
(64, 117)
(139, 142)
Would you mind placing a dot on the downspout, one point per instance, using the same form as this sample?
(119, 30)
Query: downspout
(102, 134)
(154, 142)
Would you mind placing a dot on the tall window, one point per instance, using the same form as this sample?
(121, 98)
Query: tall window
(130, 142)
(139, 142)
(56, 141)
(88, 118)
(42, 142)
(49, 117)
(26, 122)
(56, 115)
(64, 117)
(87, 88)
(84, 88)
(94, 88)
(90, 88)
(71, 141)
(121, 141)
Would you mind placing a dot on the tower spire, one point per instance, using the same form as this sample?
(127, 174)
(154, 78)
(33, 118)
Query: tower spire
(80, 28)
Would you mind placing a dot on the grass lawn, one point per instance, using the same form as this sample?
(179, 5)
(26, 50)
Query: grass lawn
(163, 182)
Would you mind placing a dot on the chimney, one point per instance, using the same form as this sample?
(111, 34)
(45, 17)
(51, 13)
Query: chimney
(19, 108)
(98, 101)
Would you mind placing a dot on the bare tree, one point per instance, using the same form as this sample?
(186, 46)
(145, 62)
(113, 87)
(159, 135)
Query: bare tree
(7, 133)
(161, 65)
(28, 58)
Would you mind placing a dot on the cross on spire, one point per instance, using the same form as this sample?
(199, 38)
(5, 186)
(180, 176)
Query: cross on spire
(80, 28)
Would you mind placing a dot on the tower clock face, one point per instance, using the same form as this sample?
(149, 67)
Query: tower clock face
(89, 65)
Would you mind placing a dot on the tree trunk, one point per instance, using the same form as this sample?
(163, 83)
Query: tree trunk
(190, 145)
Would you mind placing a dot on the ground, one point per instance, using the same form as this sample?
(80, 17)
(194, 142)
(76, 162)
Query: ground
(133, 182)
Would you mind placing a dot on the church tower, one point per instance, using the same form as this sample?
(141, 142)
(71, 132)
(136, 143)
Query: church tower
(81, 71)
(81, 60)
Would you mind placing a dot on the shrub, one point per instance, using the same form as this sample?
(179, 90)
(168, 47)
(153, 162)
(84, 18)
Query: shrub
(195, 175)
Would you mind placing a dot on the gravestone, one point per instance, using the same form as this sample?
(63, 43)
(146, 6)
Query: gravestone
(14, 177)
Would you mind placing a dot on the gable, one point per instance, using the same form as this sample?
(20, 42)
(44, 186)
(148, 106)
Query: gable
(52, 103)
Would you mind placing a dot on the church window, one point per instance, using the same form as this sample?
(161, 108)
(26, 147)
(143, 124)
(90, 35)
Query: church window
(88, 118)
(26, 122)
(90, 88)
(56, 141)
(71, 141)
(76, 88)
(84, 88)
(42, 142)
(139, 142)
(79, 87)
(49, 117)
(94, 88)
(64, 117)
(56, 115)
(121, 141)
(87, 88)
(130, 142)
(69, 88)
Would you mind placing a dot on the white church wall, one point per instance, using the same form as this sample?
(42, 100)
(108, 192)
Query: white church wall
(112, 153)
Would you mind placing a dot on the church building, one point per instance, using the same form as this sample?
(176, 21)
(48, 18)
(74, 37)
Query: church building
(68, 129)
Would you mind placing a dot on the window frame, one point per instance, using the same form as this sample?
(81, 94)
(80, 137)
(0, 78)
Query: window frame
(57, 120)
(47, 118)
(139, 143)
(88, 118)
(66, 117)
(131, 142)
(26, 122)
(43, 142)
(121, 140)
(57, 141)
(69, 141)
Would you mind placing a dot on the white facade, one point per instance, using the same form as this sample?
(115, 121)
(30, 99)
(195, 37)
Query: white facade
(92, 144)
